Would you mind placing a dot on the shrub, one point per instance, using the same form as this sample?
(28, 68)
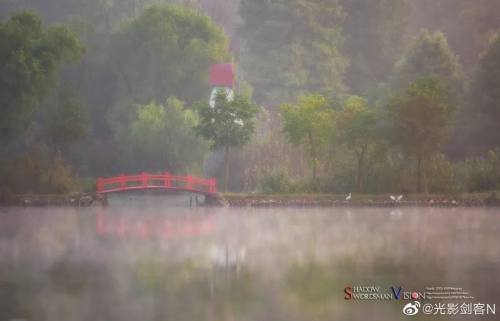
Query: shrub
(58, 178)
(32, 173)
(276, 182)
(479, 173)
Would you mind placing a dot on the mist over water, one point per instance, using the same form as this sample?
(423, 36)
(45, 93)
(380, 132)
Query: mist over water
(158, 262)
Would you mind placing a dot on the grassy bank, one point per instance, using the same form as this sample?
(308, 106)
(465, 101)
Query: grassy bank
(437, 200)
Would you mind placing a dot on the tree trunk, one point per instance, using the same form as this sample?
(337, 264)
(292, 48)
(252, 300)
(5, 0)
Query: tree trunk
(226, 167)
(421, 177)
(359, 182)
(313, 155)
(425, 189)
(359, 178)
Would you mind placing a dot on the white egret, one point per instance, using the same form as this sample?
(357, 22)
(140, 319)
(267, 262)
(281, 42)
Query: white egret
(396, 199)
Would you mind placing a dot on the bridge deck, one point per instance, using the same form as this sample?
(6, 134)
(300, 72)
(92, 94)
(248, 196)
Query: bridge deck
(146, 181)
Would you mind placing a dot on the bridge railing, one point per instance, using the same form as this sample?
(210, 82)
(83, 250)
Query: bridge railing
(151, 181)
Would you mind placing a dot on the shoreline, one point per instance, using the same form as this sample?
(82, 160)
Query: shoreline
(40, 200)
(326, 200)
(487, 199)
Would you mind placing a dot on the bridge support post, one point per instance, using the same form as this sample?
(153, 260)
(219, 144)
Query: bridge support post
(212, 187)
(123, 182)
(167, 179)
(100, 185)
(103, 199)
(189, 182)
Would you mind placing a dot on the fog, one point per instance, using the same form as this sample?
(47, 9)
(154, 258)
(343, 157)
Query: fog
(175, 263)
(333, 102)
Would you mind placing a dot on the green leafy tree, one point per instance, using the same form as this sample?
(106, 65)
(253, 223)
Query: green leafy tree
(156, 137)
(309, 124)
(166, 51)
(430, 56)
(30, 56)
(292, 47)
(357, 127)
(422, 118)
(229, 124)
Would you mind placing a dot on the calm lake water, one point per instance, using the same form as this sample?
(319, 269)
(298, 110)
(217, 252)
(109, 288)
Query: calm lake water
(155, 261)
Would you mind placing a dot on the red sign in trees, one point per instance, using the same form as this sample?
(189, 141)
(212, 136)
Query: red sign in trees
(222, 75)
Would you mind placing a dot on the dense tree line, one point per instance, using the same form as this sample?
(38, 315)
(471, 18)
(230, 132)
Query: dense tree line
(399, 139)
(356, 95)
(423, 106)
(122, 105)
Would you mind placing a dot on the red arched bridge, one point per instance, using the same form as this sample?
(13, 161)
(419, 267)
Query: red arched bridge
(166, 181)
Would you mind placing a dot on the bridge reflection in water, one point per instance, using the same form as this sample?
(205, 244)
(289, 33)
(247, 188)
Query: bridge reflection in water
(152, 227)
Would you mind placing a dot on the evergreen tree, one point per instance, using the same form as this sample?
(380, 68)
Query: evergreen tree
(376, 35)
(430, 56)
(292, 47)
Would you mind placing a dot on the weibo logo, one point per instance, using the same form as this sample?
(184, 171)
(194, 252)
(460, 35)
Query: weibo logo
(411, 308)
